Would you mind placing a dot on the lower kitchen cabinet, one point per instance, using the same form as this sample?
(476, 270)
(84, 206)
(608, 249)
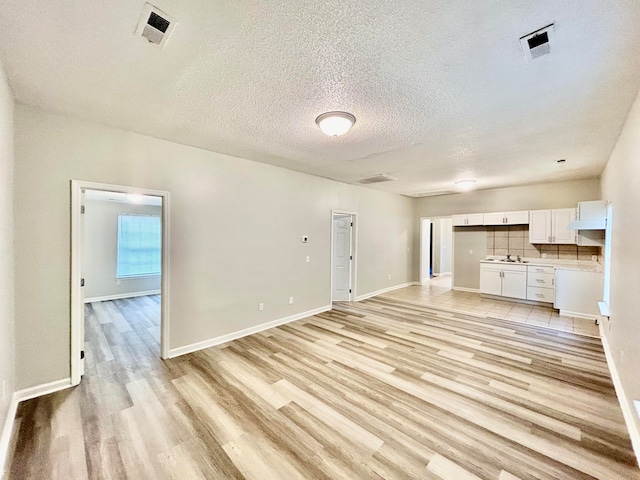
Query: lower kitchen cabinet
(541, 283)
(578, 292)
(504, 280)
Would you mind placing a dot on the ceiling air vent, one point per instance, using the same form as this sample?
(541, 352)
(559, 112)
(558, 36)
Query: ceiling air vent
(538, 43)
(155, 26)
(383, 177)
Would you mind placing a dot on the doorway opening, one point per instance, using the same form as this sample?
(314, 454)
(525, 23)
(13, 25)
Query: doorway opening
(436, 247)
(119, 273)
(343, 256)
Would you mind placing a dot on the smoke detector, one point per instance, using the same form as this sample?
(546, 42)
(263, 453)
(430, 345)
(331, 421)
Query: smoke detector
(383, 177)
(538, 43)
(155, 26)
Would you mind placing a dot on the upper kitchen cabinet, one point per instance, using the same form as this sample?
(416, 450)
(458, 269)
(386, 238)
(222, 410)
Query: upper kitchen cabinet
(550, 226)
(467, 219)
(507, 218)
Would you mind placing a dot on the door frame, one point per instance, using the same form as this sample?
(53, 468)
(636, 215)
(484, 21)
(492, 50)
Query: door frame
(77, 305)
(354, 243)
(424, 220)
(431, 219)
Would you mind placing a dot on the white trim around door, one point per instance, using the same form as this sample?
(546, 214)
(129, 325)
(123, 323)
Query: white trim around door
(354, 243)
(77, 304)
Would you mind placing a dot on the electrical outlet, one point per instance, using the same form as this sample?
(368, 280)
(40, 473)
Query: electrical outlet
(290, 300)
(594, 258)
(389, 276)
(543, 255)
(118, 281)
(261, 306)
(470, 252)
(308, 258)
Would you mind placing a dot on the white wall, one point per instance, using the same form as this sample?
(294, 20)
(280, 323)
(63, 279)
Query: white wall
(7, 338)
(100, 251)
(235, 234)
(621, 186)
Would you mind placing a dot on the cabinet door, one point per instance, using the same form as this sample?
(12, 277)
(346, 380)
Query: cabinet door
(514, 283)
(459, 220)
(475, 219)
(517, 218)
(490, 280)
(496, 218)
(559, 231)
(540, 226)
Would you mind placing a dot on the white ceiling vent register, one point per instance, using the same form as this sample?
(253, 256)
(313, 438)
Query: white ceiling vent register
(538, 43)
(155, 25)
(383, 177)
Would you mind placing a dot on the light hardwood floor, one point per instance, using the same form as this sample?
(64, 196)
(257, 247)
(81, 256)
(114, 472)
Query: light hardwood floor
(377, 389)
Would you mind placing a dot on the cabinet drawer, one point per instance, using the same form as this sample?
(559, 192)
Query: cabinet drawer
(541, 294)
(538, 269)
(545, 280)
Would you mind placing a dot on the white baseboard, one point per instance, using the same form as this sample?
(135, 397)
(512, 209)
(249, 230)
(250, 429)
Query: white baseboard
(5, 435)
(119, 296)
(472, 290)
(568, 313)
(44, 389)
(625, 404)
(176, 352)
(385, 290)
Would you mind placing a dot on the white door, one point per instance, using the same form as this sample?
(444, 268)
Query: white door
(490, 280)
(561, 218)
(514, 283)
(540, 226)
(342, 258)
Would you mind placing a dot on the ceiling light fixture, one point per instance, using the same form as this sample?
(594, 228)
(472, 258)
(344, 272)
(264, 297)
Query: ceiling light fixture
(465, 184)
(135, 197)
(335, 124)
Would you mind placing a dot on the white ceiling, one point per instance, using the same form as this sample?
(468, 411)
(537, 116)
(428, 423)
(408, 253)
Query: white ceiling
(441, 89)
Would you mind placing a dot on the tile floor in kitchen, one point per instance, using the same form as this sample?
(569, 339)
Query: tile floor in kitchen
(438, 293)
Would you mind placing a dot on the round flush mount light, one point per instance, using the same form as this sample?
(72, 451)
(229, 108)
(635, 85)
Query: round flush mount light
(135, 198)
(465, 184)
(335, 124)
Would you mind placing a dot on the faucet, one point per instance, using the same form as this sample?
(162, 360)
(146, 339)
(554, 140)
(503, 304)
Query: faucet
(518, 259)
(509, 258)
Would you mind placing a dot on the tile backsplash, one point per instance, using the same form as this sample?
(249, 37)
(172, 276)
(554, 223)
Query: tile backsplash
(514, 240)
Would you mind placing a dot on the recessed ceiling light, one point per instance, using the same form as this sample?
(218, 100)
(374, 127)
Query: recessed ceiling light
(465, 184)
(134, 197)
(335, 123)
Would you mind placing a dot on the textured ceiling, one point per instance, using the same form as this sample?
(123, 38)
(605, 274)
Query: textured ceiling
(441, 89)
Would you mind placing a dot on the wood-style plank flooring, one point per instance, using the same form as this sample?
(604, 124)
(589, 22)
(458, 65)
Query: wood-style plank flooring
(377, 389)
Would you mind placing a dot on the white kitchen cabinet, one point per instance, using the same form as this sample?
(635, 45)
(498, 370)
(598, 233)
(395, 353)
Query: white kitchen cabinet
(540, 283)
(507, 218)
(467, 220)
(578, 292)
(504, 280)
(550, 226)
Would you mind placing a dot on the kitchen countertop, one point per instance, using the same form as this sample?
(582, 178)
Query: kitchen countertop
(576, 265)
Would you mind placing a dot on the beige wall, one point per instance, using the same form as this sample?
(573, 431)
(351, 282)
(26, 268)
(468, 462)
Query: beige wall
(469, 247)
(235, 241)
(525, 197)
(7, 351)
(100, 252)
(621, 186)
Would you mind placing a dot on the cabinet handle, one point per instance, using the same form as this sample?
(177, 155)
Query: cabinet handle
(554, 239)
(539, 295)
(539, 280)
(549, 240)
